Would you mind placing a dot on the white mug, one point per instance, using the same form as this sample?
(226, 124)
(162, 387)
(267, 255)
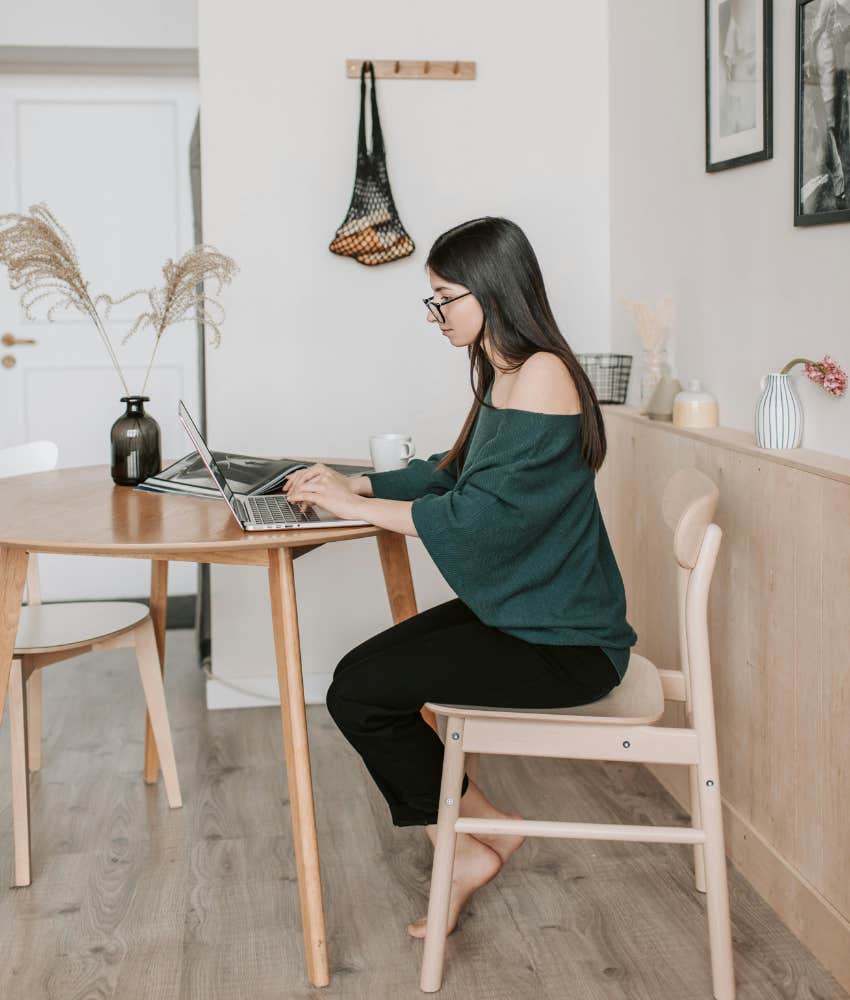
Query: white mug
(391, 451)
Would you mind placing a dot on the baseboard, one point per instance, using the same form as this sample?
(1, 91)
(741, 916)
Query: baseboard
(807, 914)
(261, 691)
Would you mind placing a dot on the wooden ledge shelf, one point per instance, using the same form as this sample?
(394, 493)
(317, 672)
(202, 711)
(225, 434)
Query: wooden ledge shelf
(817, 463)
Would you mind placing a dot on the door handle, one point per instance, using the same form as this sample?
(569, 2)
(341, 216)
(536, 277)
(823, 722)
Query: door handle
(10, 340)
(8, 361)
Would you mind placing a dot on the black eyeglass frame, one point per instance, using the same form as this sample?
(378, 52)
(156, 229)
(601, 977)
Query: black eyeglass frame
(436, 308)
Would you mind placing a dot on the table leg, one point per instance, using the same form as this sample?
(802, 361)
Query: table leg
(395, 562)
(13, 574)
(159, 604)
(297, 750)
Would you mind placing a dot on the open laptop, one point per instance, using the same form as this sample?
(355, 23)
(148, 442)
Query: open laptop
(260, 513)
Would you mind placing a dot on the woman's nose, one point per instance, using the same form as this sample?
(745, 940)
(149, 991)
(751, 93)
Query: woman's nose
(431, 317)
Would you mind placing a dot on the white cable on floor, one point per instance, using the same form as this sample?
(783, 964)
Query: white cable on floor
(236, 687)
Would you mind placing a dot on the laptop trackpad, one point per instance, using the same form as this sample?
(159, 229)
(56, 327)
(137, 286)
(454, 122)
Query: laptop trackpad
(325, 515)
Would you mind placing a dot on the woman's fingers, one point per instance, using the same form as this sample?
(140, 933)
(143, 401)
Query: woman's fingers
(304, 489)
(301, 476)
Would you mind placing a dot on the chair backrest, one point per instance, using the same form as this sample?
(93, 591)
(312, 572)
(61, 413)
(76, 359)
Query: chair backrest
(688, 508)
(21, 460)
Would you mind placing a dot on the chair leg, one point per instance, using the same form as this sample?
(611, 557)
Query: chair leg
(444, 855)
(150, 670)
(717, 890)
(34, 720)
(696, 822)
(20, 774)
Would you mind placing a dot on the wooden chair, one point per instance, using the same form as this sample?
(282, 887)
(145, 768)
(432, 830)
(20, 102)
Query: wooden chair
(49, 633)
(619, 727)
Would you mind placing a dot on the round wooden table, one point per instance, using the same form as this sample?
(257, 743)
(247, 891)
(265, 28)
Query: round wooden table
(80, 511)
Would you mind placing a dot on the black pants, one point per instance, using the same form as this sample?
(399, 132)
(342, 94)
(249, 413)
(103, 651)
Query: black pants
(446, 654)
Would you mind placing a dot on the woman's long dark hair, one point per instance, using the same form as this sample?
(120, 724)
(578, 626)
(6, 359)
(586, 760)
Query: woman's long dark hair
(494, 260)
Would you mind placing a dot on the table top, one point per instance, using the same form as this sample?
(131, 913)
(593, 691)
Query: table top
(82, 510)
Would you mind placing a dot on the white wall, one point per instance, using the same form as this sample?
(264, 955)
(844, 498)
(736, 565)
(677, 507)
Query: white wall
(94, 23)
(319, 351)
(751, 292)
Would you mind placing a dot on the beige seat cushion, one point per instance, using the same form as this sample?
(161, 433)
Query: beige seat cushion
(43, 628)
(637, 700)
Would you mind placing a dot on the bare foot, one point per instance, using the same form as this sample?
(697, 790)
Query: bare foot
(475, 803)
(475, 865)
(502, 843)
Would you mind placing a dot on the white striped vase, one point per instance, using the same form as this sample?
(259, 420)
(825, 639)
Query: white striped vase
(779, 416)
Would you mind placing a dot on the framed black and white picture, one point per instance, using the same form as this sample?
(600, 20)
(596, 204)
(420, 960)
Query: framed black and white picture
(738, 82)
(822, 158)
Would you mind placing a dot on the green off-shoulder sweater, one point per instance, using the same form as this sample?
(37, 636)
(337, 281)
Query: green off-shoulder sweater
(519, 535)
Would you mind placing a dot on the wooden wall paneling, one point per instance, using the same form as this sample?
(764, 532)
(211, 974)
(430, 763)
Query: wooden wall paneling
(830, 768)
(770, 643)
(810, 666)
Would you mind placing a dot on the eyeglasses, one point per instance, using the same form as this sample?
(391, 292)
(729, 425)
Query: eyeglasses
(436, 308)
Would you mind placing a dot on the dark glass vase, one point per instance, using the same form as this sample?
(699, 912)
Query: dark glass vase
(135, 444)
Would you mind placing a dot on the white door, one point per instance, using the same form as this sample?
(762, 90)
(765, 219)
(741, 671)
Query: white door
(109, 155)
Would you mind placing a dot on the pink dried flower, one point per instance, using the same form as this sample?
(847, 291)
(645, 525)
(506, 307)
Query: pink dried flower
(825, 373)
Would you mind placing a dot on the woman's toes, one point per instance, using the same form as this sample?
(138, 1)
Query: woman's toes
(417, 928)
(475, 865)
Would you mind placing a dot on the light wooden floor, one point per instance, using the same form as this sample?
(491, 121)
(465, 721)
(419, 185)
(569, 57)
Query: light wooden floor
(130, 900)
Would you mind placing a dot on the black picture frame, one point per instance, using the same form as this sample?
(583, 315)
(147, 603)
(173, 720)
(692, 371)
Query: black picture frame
(764, 149)
(817, 143)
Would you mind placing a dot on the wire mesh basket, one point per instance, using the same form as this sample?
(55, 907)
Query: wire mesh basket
(608, 374)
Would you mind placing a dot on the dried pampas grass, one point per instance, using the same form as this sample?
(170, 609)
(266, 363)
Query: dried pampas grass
(653, 324)
(182, 297)
(41, 259)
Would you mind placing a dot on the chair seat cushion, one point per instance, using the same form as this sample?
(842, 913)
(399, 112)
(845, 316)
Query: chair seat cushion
(637, 700)
(43, 628)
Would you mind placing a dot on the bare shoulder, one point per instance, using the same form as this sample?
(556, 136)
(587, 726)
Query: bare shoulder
(544, 384)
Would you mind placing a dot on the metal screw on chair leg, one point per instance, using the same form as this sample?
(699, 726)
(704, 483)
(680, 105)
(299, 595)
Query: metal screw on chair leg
(450, 802)
(626, 744)
(455, 736)
(710, 783)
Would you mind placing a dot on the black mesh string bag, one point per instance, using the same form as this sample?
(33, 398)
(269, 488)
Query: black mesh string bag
(372, 233)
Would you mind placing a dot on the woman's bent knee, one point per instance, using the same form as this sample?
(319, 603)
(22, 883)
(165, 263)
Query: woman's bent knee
(342, 702)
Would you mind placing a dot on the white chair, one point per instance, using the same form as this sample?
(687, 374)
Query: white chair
(619, 726)
(49, 633)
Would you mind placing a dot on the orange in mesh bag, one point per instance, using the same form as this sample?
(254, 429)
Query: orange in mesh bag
(371, 233)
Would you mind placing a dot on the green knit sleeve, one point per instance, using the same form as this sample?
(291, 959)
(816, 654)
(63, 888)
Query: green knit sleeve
(418, 478)
(505, 498)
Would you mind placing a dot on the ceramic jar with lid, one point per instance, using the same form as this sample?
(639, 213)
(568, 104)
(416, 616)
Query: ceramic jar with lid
(694, 407)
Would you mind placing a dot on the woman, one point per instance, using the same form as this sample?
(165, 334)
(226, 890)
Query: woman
(510, 516)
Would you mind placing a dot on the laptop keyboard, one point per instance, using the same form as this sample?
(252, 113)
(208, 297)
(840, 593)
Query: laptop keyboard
(277, 510)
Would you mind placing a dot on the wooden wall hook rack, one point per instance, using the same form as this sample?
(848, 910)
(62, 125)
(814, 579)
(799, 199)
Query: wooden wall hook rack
(413, 69)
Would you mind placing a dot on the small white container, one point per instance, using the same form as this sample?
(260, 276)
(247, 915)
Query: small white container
(694, 407)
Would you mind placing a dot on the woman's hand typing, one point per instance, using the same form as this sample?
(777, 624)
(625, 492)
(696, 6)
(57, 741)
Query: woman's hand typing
(326, 488)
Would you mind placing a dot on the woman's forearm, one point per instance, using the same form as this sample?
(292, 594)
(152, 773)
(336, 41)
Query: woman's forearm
(361, 485)
(394, 515)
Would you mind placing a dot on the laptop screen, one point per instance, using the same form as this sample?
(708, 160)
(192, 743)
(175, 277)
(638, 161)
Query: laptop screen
(206, 455)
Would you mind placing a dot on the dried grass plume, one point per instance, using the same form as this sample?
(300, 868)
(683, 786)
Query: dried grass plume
(653, 324)
(41, 260)
(182, 296)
